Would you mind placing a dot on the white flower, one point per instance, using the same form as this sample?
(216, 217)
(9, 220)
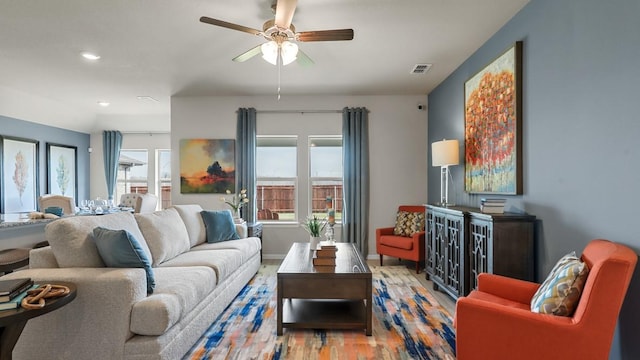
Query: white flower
(237, 200)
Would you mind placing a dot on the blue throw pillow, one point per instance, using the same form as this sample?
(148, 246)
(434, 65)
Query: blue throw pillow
(118, 248)
(220, 226)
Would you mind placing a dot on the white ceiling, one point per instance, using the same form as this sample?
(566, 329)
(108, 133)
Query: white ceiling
(159, 48)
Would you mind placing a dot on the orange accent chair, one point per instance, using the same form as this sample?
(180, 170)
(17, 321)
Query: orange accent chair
(408, 248)
(267, 214)
(495, 321)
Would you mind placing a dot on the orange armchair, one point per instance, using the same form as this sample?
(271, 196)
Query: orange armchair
(408, 248)
(495, 321)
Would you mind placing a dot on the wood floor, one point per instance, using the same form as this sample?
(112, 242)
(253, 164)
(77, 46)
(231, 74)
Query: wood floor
(442, 298)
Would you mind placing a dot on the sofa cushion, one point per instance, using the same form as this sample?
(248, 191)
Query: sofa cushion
(560, 292)
(247, 246)
(223, 262)
(408, 223)
(192, 219)
(399, 242)
(178, 291)
(118, 248)
(165, 233)
(220, 226)
(71, 238)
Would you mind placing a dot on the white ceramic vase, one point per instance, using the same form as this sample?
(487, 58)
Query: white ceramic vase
(313, 242)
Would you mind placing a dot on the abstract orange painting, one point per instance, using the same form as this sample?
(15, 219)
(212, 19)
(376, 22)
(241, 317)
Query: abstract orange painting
(493, 126)
(207, 166)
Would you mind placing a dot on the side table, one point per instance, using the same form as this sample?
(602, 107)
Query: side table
(12, 321)
(254, 229)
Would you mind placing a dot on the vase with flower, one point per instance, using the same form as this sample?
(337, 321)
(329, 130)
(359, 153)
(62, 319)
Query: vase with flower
(236, 202)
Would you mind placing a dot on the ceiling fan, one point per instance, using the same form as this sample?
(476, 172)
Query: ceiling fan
(281, 46)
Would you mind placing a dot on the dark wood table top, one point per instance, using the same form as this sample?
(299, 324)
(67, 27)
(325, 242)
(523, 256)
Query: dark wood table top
(11, 316)
(348, 261)
(13, 321)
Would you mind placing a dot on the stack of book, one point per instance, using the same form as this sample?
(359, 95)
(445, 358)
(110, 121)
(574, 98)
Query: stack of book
(492, 206)
(325, 257)
(13, 291)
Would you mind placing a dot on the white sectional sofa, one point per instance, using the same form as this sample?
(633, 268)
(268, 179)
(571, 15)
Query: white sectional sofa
(112, 316)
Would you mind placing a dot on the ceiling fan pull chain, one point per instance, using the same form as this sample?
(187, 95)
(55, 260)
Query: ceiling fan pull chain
(279, 68)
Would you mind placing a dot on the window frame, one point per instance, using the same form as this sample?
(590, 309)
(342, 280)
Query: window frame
(294, 180)
(119, 181)
(311, 178)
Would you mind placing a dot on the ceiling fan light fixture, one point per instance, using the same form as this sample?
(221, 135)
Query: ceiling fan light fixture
(289, 52)
(270, 52)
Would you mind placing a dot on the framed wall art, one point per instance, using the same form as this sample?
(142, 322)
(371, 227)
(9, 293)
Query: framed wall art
(493, 126)
(207, 166)
(62, 170)
(19, 158)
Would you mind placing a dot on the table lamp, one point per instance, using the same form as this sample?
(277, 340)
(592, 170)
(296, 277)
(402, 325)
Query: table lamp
(444, 154)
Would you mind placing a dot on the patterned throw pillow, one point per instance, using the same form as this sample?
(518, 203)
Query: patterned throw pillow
(560, 293)
(408, 223)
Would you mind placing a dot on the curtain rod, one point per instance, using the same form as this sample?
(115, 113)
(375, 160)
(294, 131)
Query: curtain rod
(145, 132)
(299, 111)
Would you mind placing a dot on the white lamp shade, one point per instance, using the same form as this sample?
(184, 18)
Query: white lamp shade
(289, 52)
(445, 153)
(270, 52)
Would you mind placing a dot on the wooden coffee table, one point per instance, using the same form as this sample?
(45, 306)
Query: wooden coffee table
(316, 299)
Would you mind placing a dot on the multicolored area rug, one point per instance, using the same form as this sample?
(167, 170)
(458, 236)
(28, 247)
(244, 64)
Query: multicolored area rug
(408, 323)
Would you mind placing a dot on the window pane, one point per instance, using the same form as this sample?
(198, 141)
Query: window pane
(164, 177)
(325, 166)
(276, 172)
(326, 160)
(132, 172)
(320, 191)
(276, 162)
(276, 200)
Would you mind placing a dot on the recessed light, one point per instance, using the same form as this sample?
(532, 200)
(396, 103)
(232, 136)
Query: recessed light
(104, 103)
(147, 98)
(90, 56)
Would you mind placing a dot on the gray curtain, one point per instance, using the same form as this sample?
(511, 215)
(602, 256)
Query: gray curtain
(246, 159)
(111, 145)
(355, 159)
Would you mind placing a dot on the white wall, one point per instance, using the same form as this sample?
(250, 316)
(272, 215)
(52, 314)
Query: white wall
(397, 139)
(41, 110)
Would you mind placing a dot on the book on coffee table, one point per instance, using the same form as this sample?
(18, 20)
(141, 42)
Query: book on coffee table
(11, 288)
(17, 300)
(324, 261)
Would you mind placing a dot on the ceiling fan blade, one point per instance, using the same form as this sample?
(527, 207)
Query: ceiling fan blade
(325, 35)
(284, 12)
(303, 59)
(229, 25)
(248, 54)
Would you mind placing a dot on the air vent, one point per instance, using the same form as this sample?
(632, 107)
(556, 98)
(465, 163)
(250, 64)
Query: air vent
(420, 68)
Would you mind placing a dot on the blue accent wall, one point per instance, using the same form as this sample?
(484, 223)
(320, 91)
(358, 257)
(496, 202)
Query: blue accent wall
(44, 134)
(581, 131)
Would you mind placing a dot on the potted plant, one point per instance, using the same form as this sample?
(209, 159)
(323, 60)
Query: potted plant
(314, 227)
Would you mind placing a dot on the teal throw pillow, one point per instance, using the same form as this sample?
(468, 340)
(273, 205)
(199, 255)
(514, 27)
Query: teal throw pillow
(220, 226)
(120, 249)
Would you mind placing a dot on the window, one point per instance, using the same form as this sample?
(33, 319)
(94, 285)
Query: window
(276, 178)
(325, 174)
(164, 177)
(132, 173)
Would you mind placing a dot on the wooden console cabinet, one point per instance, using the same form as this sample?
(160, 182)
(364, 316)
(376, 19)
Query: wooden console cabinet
(462, 242)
